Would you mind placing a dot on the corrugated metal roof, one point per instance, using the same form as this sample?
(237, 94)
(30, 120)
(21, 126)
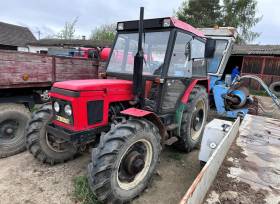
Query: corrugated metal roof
(72, 42)
(15, 35)
(256, 50)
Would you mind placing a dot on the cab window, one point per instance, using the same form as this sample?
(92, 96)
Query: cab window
(180, 64)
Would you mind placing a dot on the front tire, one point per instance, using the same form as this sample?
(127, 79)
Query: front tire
(13, 120)
(44, 146)
(124, 162)
(193, 120)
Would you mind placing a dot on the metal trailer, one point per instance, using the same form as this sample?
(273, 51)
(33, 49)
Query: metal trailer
(24, 81)
(244, 168)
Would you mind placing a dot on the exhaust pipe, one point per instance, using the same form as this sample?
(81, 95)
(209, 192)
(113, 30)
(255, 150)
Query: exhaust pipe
(138, 65)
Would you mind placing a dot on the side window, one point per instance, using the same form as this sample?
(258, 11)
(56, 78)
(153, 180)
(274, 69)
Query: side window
(197, 49)
(214, 63)
(180, 65)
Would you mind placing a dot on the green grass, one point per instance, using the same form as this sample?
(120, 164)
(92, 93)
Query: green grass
(82, 192)
(175, 156)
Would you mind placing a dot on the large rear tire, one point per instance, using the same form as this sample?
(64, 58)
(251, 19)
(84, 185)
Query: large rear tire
(46, 147)
(13, 120)
(124, 162)
(193, 120)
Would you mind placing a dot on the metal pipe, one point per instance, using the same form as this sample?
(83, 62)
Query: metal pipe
(261, 82)
(138, 64)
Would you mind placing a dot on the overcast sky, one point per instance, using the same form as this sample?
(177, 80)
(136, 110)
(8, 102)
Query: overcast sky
(49, 16)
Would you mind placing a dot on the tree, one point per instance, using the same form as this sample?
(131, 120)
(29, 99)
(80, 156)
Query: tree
(68, 32)
(240, 14)
(200, 13)
(104, 32)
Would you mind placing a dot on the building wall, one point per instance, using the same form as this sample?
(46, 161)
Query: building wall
(37, 49)
(23, 49)
(265, 67)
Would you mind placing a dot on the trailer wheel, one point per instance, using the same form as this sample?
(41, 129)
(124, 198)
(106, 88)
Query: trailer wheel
(275, 88)
(13, 120)
(193, 120)
(44, 146)
(123, 163)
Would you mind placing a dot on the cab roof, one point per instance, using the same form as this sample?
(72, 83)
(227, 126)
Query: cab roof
(156, 23)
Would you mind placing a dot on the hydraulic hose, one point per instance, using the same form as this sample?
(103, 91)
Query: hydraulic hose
(261, 82)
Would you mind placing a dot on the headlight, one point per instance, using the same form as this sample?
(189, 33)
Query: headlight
(56, 107)
(68, 110)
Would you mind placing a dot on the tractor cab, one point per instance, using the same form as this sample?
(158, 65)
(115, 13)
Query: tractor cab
(173, 55)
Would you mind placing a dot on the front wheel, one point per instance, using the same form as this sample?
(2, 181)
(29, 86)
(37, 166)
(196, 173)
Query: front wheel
(44, 146)
(124, 162)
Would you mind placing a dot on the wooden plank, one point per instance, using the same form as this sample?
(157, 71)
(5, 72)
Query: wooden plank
(42, 69)
(203, 181)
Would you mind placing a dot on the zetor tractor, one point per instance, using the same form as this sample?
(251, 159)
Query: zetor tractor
(156, 92)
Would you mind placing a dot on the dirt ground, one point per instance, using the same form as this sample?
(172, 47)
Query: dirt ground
(24, 180)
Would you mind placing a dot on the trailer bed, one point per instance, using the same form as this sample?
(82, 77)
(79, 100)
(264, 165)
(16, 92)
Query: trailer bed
(250, 172)
(244, 168)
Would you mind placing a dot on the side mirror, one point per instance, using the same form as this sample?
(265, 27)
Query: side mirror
(188, 50)
(210, 48)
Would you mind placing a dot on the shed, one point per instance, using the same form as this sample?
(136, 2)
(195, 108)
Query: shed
(260, 60)
(14, 37)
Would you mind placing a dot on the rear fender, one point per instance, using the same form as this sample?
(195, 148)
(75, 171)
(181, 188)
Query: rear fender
(151, 116)
(194, 82)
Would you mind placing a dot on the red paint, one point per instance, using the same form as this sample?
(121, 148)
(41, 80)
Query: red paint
(194, 82)
(105, 53)
(108, 90)
(136, 112)
(94, 84)
(187, 27)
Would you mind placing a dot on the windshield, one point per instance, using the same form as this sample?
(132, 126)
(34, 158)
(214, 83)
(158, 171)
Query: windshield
(214, 63)
(154, 46)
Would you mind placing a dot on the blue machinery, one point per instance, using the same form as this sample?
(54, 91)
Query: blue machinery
(232, 101)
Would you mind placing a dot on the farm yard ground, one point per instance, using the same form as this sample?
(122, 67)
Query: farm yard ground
(24, 180)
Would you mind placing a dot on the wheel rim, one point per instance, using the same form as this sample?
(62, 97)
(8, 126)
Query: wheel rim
(56, 144)
(198, 120)
(134, 164)
(8, 129)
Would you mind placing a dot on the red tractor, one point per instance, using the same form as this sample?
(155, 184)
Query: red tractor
(162, 96)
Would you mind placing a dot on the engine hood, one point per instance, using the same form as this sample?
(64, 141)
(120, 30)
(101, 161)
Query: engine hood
(94, 85)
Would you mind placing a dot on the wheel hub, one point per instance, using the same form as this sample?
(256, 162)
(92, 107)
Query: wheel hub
(198, 119)
(8, 129)
(134, 163)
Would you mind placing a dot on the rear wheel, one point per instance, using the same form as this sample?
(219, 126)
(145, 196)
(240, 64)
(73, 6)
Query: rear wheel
(13, 120)
(124, 162)
(193, 120)
(44, 146)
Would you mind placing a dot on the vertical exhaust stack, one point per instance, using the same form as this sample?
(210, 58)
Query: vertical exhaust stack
(138, 65)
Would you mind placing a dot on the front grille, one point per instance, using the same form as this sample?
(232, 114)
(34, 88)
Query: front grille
(95, 111)
(61, 112)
